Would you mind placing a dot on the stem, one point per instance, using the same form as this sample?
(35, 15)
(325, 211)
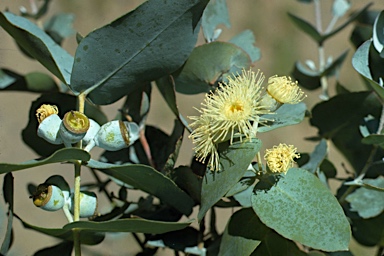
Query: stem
(76, 207)
(67, 213)
(259, 164)
(76, 242)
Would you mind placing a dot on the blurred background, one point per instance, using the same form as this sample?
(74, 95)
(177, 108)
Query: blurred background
(280, 42)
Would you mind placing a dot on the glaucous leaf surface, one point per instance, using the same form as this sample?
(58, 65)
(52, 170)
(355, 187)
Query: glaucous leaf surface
(246, 40)
(39, 45)
(215, 14)
(340, 7)
(161, 35)
(234, 162)
(368, 202)
(208, 64)
(316, 157)
(149, 180)
(378, 35)
(287, 114)
(299, 207)
(59, 26)
(62, 155)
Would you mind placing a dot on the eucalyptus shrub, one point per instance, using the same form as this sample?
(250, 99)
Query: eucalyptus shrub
(279, 208)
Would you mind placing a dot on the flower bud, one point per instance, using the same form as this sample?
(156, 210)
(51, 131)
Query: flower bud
(48, 197)
(116, 135)
(49, 123)
(74, 127)
(94, 128)
(88, 204)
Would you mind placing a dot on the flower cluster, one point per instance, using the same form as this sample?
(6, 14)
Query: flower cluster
(281, 158)
(235, 109)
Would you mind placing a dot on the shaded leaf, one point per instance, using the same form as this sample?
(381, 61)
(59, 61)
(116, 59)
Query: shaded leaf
(215, 14)
(42, 10)
(208, 64)
(246, 41)
(237, 237)
(108, 67)
(308, 79)
(63, 249)
(59, 26)
(234, 162)
(361, 65)
(149, 180)
(367, 202)
(287, 114)
(188, 181)
(62, 155)
(368, 232)
(317, 157)
(306, 27)
(8, 192)
(39, 45)
(374, 139)
(301, 208)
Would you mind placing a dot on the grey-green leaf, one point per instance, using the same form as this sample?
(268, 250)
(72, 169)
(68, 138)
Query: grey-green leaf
(340, 7)
(378, 35)
(288, 114)
(317, 157)
(149, 180)
(39, 45)
(62, 155)
(215, 14)
(299, 207)
(234, 162)
(138, 47)
(208, 64)
(367, 202)
(306, 27)
(246, 40)
(361, 64)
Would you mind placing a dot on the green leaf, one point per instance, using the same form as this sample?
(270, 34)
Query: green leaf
(334, 120)
(374, 139)
(361, 64)
(86, 237)
(307, 78)
(215, 14)
(166, 86)
(306, 28)
(62, 249)
(209, 63)
(59, 26)
(236, 239)
(40, 12)
(148, 55)
(288, 114)
(234, 162)
(369, 232)
(8, 192)
(246, 41)
(134, 225)
(39, 45)
(62, 155)
(149, 180)
(316, 157)
(301, 208)
(367, 202)
(378, 35)
(188, 181)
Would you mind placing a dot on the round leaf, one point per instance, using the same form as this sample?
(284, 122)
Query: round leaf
(207, 64)
(301, 208)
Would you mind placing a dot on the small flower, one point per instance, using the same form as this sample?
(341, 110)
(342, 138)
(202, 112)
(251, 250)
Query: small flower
(45, 111)
(202, 138)
(233, 110)
(235, 106)
(280, 158)
(284, 90)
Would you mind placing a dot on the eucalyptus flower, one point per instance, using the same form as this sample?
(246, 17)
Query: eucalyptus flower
(284, 90)
(232, 110)
(281, 158)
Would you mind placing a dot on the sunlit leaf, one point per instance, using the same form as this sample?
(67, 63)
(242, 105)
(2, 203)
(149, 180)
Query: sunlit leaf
(109, 67)
(209, 63)
(234, 161)
(215, 14)
(288, 114)
(62, 155)
(39, 45)
(378, 35)
(367, 202)
(246, 40)
(299, 207)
